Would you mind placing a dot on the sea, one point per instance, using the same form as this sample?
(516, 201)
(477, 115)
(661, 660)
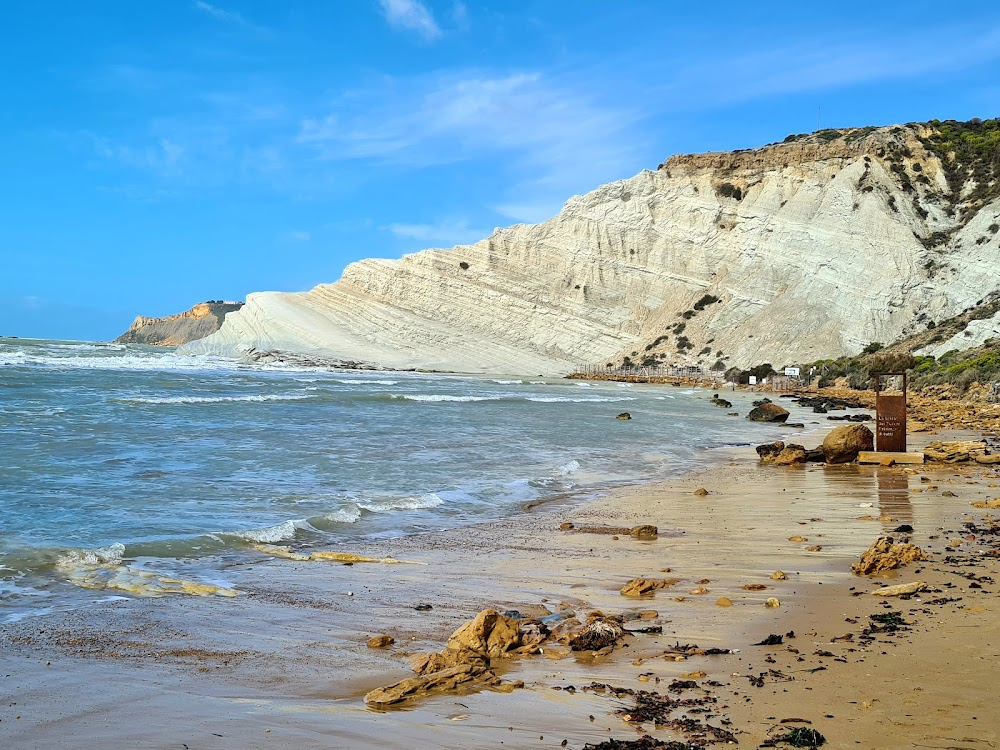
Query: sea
(128, 470)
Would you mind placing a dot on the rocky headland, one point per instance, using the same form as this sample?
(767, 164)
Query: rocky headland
(173, 330)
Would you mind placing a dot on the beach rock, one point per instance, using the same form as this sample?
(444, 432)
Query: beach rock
(993, 504)
(381, 641)
(790, 454)
(779, 575)
(724, 601)
(901, 589)
(624, 415)
(701, 492)
(885, 554)
(644, 531)
(445, 679)
(815, 455)
(428, 663)
(768, 412)
(488, 634)
(646, 586)
(566, 526)
(533, 635)
(599, 633)
(769, 451)
(772, 603)
(956, 451)
(721, 402)
(843, 443)
(755, 586)
(988, 459)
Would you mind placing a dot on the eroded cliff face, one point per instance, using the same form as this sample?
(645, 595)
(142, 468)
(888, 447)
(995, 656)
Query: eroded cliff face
(810, 249)
(201, 320)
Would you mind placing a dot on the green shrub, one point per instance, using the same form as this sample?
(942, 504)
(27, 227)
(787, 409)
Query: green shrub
(708, 299)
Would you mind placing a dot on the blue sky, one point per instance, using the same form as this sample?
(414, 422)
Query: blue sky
(160, 153)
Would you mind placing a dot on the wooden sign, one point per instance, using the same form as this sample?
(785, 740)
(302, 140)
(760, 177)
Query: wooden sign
(890, 416)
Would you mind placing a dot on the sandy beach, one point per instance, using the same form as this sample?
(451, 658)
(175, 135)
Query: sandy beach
(286, 663)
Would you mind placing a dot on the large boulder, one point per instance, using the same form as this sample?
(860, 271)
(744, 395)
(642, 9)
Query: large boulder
(768, 413)
(843, 443)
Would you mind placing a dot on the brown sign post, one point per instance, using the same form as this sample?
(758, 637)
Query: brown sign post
(890, 416)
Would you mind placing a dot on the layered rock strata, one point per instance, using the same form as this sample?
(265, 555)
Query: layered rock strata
(781, 254)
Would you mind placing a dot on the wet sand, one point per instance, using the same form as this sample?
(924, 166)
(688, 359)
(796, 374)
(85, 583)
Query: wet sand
(285, 664)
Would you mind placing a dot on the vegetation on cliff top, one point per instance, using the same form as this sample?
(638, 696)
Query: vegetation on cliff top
(958, 367)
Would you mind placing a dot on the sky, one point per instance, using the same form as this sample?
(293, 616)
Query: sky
(160, 153)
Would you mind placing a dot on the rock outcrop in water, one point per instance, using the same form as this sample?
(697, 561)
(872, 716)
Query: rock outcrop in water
(201, 320)
(787, 253)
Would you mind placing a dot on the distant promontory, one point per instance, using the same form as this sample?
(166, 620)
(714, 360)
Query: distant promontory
(201, 320)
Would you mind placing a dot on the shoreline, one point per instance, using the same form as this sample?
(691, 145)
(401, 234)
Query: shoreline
(288, 662)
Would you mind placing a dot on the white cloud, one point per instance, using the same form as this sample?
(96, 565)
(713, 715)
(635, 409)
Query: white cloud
(553, 137)
(220, 14)
(411, 15)
(440, 234)
(299, 236)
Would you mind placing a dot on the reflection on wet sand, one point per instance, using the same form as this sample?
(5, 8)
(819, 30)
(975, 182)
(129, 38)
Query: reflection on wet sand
(894, 495)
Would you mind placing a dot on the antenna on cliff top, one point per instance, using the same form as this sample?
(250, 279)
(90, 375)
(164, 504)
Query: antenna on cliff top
(819, 111)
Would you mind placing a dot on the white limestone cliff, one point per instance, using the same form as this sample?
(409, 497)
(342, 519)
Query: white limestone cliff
(813, 248)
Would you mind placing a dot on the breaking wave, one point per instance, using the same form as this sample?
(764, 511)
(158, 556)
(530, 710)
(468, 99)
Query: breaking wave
(569, 400)
(436, 397)
(210, 399)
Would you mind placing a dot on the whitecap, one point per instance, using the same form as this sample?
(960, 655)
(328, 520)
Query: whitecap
(508, 382)
(276, 533)
(210, 399)
(362, 381)
(427, 500)
(568, 468)
(569, 400)
(110, 555)
(436, 397)
(346, 515)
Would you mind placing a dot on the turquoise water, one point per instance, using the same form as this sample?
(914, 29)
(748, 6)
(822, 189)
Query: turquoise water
(126, 455)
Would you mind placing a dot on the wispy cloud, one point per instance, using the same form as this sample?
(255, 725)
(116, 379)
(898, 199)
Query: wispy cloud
(554, 137)
(220, 14)
(460, 15)
(823, 63)
(440, 234)
(411, 15)
(162, 155)
(299, 236)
